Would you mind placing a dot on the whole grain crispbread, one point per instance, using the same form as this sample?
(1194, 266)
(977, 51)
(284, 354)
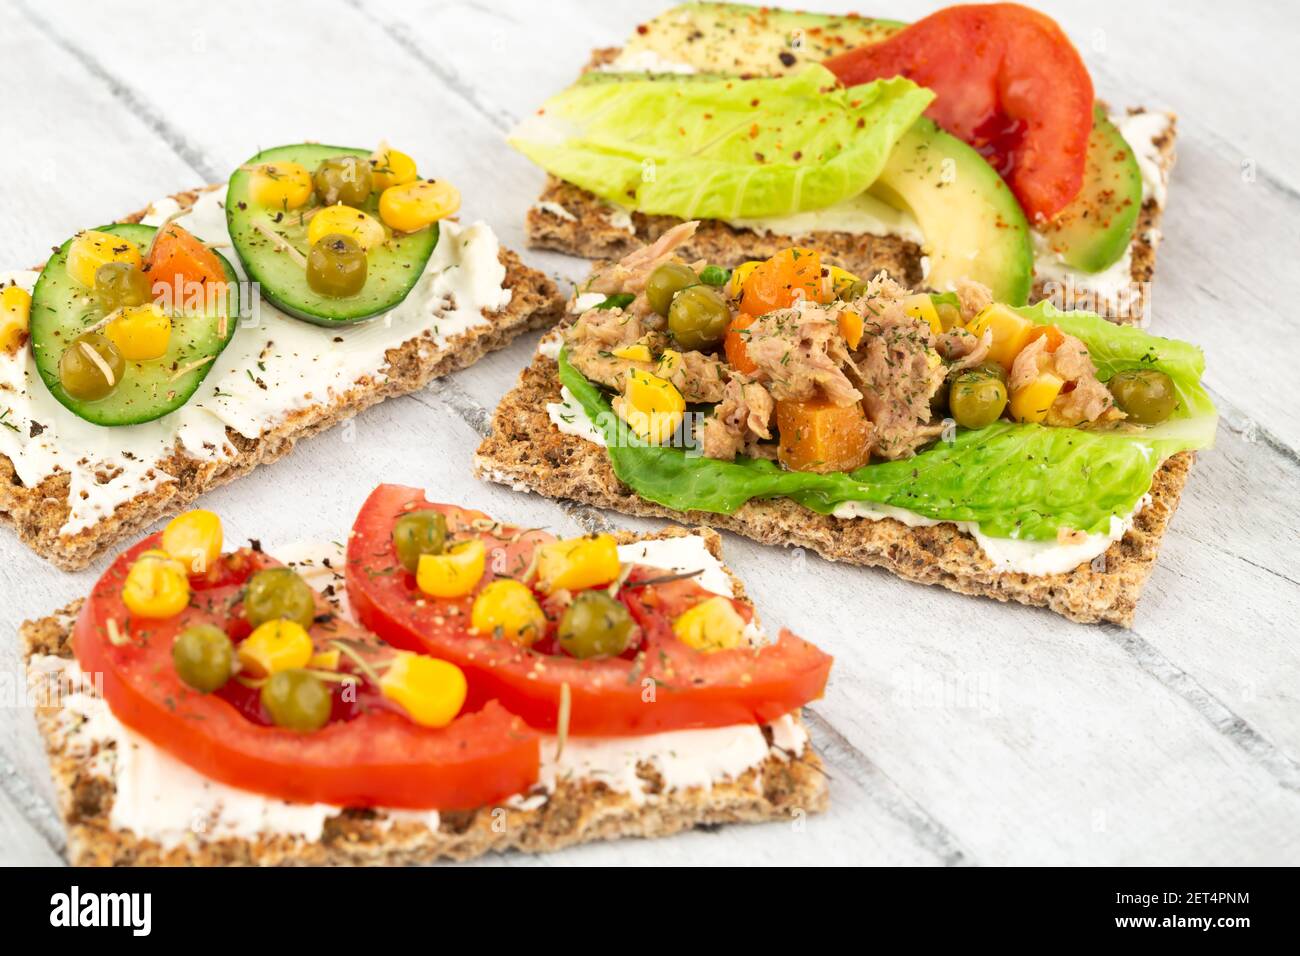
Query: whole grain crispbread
(567, 218)
(527, 451)
(37, 513)
(576, 812)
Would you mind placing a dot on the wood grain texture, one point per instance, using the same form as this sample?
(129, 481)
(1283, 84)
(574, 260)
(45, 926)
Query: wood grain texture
(955, 731)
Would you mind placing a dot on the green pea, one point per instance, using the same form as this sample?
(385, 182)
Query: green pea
(297, 700)
(664, 284)
(1146, 396)
(337, 266)
(419, 532)
(204, 657)
(977, 398)
(344, 179)
(715, 275)
(90, 377)
(279, 594)
(699, 318)
(595, 625)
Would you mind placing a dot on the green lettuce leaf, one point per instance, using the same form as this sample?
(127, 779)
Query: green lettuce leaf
(1013, 480)
(720, 148)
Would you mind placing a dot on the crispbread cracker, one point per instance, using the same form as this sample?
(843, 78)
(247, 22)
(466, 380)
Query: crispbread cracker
(587, 229)
(577, 812)
(37, 513)
(527, 451)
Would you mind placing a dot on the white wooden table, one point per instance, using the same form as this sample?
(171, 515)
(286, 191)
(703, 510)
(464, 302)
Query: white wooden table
(956, 730)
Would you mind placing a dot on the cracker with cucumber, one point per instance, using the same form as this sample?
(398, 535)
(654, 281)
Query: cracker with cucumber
(1015, 176)
(1022, 453)
(153, 359)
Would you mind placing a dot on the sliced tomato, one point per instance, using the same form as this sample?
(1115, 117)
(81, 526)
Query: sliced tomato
(367, 755)
(186, 271)
(1008, 81)
(665, 686)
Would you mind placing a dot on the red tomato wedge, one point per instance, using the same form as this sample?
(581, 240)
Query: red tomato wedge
(1007, 81)
(190, 272)
(365, 756)
(665, 686)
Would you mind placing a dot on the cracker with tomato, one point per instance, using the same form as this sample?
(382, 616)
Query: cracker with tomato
(222, 688)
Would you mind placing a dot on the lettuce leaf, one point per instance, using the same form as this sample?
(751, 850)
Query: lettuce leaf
(722, 148)
(1013, 480)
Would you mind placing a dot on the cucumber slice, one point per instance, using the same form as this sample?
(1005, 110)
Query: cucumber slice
(393, 268)
(973, 225)
(62, 309)
(1092, 233)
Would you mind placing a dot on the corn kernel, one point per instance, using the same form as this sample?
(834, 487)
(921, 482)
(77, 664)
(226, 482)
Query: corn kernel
(280, 185)
(636, 352)
(739, 275)
(15, 317)
(1011, 332)
(326, 660)
(507, 609)
(431, 691)
(414, 206)
(652, 407)
(156, 586)
(92, 249)
(1030, 403)
(344, 220)
(578, 563)
(455, 572)
(275, 646)
(669, 364)
(194, 539)
(921, 307)
(712, 625)
(392, 168)
(140, 332)
(841, 281)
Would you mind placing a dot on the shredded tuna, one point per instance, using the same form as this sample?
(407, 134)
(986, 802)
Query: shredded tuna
(962, 350)
(1089, 400)
(897, 370)
(799, 353)
(1083, 399)
(700, 377)
(742, 418)
(974, 298)
(592, 340)
(632, 272)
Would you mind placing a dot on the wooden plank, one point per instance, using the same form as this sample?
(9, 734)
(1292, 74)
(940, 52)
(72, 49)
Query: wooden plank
(958, 730)
(20, 843)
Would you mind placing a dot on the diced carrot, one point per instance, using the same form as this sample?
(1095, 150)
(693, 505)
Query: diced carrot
(1055, 337)
(820, 436)
(775, 284)
(190, 271)
(734, 345)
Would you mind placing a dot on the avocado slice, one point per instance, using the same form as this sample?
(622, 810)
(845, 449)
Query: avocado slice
(1092, 233)
(393, 268)
(62, 310)
(737, 38)
(973, 226)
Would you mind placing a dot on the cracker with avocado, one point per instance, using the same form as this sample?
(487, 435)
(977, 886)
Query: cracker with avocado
(576, 811)
(37, 513)
(527, 452)
(1108, 235)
